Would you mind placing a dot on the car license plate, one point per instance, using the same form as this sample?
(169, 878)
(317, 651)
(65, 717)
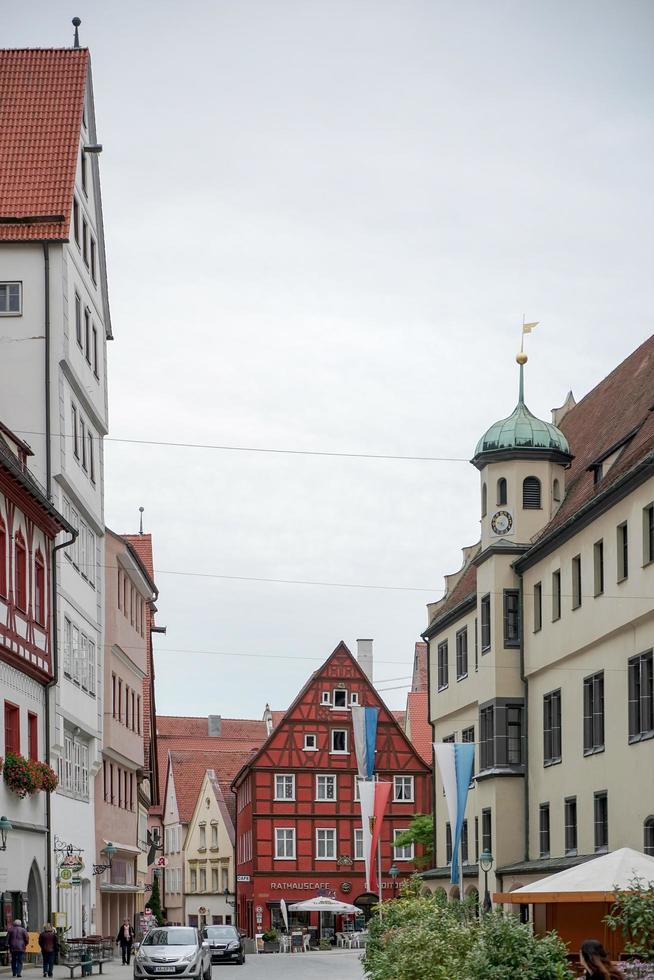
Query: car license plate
(164, 969)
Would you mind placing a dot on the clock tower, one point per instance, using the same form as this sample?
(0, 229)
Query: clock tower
(522, 462)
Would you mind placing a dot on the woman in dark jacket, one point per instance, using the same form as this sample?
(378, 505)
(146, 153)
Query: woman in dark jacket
(49, 944)
(125, 938)
(596, 962)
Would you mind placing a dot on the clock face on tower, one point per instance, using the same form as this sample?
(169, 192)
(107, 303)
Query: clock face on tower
(502, 522)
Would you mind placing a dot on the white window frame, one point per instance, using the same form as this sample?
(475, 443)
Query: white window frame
(357, 850)
(339, 707)
(401, 780)
(285, 830)
(326, 776)
(326, 830)
(332, 750)
(357, 794)
(8, 283)
(285, 776)
(310, 748)
(408, 847)
(354, 697)
(325, 698)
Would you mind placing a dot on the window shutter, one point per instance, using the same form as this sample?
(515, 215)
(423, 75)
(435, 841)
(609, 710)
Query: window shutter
(531, 493)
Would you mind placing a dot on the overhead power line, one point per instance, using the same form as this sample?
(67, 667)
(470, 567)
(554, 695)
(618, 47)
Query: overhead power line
(260, 449)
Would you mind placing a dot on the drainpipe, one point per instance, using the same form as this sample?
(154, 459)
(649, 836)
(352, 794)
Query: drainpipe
(51, 683)
(526, 713)
(46, 309)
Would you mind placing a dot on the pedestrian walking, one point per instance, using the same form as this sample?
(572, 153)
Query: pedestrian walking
(595, 960)
(49, 943)
(125, 939)
(17, 940)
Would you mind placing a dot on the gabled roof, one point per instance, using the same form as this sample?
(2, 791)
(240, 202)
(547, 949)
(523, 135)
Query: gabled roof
(339, 651)
(620, 409)
(418, 728)
(42, 98)
(182, 727)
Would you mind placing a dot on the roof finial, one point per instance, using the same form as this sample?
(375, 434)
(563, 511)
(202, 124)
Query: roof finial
(522, 358)
(76, 22)
(141, 509)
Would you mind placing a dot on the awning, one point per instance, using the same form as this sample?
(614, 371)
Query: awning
(593, 881)
(121, 889)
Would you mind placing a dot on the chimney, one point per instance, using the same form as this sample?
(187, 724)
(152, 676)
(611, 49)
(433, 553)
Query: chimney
(364, 656)
(213, 725)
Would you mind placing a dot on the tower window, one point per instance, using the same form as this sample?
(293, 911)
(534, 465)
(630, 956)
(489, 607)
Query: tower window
(501, 491)
(484, 500)
(556, 491)
(531, 493)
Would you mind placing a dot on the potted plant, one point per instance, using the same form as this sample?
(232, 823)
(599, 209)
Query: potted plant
(47, 778)
(20, 775)
(271, 941)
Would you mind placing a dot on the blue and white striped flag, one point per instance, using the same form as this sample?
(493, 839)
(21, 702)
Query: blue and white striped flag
(455, 761)
(364, 726)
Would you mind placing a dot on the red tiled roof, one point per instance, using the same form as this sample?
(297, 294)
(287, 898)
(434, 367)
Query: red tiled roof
(419, 729)
(189, 768)
(183, 727)
(618, 405)
(42, 97)
(464, 588)
(142, 545)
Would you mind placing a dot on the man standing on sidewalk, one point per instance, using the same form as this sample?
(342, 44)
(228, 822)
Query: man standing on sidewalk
(17, 940)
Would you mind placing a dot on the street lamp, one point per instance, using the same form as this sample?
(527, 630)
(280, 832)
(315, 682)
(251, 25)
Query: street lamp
(109, 850)
(226, 895)
(5, 827)
(486, 863)
(393, 872)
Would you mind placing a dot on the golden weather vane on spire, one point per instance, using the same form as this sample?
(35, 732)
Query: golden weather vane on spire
(521, 357)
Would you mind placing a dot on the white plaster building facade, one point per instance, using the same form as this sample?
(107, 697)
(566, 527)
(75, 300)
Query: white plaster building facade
(53, 392)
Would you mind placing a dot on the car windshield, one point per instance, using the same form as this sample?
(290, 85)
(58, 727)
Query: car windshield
(221, 932)
(170, 937)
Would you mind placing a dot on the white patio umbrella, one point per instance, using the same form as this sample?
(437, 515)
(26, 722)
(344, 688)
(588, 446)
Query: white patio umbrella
(284, 911)
(322, 903)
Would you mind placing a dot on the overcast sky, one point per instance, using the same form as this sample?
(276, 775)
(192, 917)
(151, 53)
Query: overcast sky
(325, 220)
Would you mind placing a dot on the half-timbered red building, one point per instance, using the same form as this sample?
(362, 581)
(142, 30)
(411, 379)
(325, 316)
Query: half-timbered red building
(298, 819)
(29, 525)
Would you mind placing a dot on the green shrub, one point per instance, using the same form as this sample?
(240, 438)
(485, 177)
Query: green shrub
(506, 949)
(633, 914)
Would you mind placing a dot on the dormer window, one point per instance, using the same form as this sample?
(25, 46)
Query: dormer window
(531, 493)
(340, 698)
(501, 491)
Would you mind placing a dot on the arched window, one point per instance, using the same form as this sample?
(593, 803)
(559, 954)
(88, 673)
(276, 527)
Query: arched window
(648, 828)
(484, 500)
(3, 559)
(20, 580)
(556, 491)
(39, 588)
(531, 493)
(501, 490)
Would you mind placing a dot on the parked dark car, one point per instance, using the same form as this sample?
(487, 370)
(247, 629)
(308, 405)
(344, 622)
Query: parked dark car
(225, 943)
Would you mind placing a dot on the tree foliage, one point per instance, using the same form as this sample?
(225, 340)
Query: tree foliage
(430, 938)
(154, 902)
(633, 915)
(420, 831)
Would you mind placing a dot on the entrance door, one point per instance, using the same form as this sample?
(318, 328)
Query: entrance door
(35, 911)
(366, 902)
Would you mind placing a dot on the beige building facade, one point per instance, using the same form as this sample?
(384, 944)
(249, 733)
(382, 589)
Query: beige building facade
(540, 651)
(121, 814)
(209, 858)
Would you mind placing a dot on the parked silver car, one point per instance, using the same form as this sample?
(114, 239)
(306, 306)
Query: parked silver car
(173, 951)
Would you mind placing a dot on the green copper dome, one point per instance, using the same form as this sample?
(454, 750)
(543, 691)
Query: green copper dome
(522, 430)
